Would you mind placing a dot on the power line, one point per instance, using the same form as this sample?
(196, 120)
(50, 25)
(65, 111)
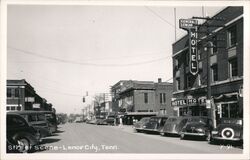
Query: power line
(157, 15)
(86, 63)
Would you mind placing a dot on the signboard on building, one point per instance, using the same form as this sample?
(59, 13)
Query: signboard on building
(36, 105)
(191, 26)
(188, 102)
(30, 99)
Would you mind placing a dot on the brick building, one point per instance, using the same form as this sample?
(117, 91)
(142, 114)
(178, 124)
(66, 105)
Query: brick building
(22, 96)
(142, 97)
(226, 66)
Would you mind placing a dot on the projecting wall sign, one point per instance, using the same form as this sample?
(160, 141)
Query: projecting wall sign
(190, 25)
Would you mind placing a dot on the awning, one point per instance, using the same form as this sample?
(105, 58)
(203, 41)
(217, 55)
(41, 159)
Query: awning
(227, 97)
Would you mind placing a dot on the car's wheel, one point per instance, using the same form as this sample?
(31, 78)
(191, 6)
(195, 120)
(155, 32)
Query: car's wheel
(182, 136)
(23, 145)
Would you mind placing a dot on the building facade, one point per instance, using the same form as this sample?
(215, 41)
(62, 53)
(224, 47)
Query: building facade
(21, 96)
(226, 68)
(142, 96)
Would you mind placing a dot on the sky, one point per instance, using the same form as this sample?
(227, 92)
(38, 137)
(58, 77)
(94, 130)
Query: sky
(66, 51)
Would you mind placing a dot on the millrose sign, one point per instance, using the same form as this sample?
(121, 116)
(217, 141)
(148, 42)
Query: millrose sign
(191, 26)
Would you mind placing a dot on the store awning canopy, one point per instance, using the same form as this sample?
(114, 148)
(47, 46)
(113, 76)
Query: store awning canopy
(226, 97)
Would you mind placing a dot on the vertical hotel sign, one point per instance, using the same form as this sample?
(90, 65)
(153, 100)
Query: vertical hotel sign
(190, 25)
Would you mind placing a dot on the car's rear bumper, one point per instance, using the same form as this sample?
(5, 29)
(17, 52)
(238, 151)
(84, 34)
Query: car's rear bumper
(226, 139)
(193, 134)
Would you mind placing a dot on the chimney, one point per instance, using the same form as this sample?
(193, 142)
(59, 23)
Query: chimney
(159, 80)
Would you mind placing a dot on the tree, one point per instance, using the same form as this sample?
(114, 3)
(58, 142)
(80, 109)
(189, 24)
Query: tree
(98, 100)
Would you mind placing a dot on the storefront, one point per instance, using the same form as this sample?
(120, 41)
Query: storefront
(190, 106)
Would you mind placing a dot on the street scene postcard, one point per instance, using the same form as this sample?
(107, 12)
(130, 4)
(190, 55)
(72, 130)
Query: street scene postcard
(124, 80)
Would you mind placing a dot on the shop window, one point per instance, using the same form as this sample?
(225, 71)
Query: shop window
(214, 69)
(145, 97)
(18, 108)
(233, 67)
(232, 36)
(8, 92)
(230, 110)
(12, 108)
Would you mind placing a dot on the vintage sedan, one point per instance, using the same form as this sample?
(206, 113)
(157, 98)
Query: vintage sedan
(197, 126)
(173, 125)
(21, 136)
(155, 124)
(138, 126)
(228, 129)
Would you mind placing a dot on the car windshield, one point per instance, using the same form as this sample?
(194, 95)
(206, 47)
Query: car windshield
(232, 121)
(198, 120)
(144, 119)
(154, 119)
(172, 120)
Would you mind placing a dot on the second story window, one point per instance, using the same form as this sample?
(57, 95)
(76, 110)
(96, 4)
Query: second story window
(16, 92)
(8, 92)
(215, 43)
(178, 84)
(162, 98)
(145, 97)
(214, 70)
(233, 67)
(232, 39)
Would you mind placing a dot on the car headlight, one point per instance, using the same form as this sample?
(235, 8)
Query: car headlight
(214, 132)
(199, 129)
(143, 126)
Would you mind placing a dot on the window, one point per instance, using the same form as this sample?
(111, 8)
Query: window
(178, 84)
(230, 110)
(8, 108)
(162, 98)
(187, 58)
(214, 72)
(145, 97)
(215, 44)
(8, 92)
(16, 92)
(233, 67)
(18, 108)
(12, 108)
(232, 36)
(189, 81)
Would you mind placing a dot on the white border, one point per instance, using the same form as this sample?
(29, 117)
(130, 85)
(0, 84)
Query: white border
(3, 64)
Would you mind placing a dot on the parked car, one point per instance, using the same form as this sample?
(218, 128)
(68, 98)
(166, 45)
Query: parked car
(138, 126)
(21, 136)
(110, 120)
(228, 129)
(173, 125)
(101, 122)
(41, 120)
(197, 126)
(37, 120)
(155, 124)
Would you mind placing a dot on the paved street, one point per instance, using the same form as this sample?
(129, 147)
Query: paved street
(87, 138)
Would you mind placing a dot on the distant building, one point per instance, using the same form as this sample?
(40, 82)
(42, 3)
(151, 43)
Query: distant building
(21, 96)
(226, 65)
(142, 97)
